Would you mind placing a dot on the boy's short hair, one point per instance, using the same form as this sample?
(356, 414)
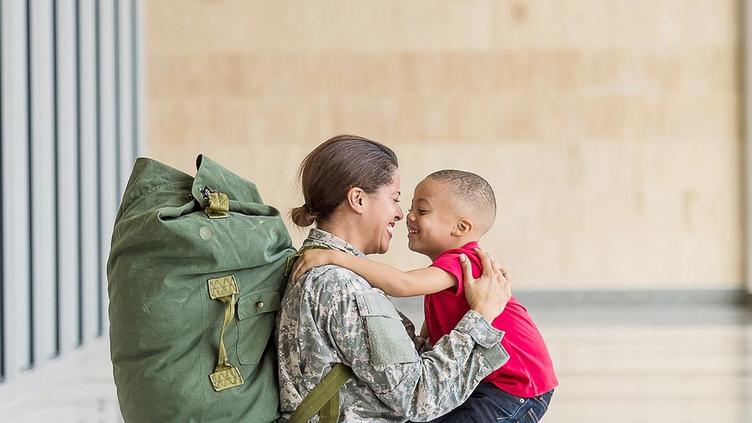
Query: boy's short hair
(473, 190)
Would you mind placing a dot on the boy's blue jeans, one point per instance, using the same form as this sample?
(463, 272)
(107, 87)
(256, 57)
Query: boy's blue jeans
(490, 404)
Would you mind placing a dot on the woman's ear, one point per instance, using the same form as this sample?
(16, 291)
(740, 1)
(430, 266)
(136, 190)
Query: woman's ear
(355, 199)
(463, 227)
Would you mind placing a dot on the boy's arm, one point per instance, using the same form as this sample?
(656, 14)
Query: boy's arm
(424, 330)
(395, 282)
(391, 280)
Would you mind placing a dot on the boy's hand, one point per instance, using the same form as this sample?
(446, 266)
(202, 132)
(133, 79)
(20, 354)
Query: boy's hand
(489, 294)
(421, 344)
(310, 259)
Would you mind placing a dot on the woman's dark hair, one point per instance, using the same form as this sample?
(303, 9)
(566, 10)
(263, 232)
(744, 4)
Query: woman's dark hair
(337, 165)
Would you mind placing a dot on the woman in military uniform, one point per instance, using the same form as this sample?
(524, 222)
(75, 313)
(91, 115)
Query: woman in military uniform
(351, 187)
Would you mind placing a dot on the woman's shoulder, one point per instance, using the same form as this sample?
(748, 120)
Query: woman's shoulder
(332, 278)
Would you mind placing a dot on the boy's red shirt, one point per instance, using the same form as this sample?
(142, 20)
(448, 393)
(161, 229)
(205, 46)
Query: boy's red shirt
(529, 371)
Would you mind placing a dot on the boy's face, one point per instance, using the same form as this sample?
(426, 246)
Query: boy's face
(431, 219)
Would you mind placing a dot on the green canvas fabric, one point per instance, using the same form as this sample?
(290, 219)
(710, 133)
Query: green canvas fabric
(164, 326)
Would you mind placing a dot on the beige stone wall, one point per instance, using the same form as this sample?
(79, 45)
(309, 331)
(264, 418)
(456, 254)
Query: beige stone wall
(610, 130)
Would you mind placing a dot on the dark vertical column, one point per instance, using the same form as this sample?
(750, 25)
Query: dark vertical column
(2, 217)
(30, 196)
(79, 175)
(135, 78)
(118, 137)
(745, 89)
(56, 170)
(98, 105)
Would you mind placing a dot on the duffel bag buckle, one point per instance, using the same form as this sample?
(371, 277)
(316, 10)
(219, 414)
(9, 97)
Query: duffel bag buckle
(219, 204)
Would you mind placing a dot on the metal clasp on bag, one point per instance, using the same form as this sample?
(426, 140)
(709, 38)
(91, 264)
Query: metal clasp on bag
(219, 204)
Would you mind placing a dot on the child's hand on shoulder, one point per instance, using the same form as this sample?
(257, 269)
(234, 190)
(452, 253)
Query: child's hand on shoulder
(422, 344)
(310, 259)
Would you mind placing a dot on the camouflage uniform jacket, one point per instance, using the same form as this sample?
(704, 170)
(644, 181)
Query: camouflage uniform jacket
(332, 315)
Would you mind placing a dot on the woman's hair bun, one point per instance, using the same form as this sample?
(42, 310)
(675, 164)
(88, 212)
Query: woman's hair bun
(302, 217)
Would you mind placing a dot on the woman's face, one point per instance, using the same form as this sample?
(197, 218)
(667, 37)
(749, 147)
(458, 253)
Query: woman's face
(381, 215)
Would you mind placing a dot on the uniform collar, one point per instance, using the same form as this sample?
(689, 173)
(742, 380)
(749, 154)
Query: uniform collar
(324, 238)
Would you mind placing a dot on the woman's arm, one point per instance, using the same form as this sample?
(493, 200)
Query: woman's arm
(389, 279)
(381, 355)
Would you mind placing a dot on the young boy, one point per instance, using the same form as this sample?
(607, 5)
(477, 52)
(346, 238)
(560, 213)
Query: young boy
(451, 210)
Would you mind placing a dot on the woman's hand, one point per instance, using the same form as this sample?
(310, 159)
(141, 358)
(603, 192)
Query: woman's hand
(310, 259)
(489, 294)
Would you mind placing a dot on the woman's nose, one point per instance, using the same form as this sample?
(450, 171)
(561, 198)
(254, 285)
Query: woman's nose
(399, 215)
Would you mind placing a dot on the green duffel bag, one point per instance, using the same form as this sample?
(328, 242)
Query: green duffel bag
(195, 275)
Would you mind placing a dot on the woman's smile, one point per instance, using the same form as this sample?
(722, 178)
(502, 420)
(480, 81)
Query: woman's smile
(390, 229)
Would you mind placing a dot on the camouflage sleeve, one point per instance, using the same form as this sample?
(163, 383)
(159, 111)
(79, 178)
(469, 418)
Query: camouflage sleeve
(367, 333)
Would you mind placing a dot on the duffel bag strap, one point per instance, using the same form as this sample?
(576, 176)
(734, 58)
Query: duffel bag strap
(225, 375)
(324, 397)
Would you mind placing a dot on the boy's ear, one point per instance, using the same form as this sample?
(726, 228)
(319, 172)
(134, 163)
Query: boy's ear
(463, 227)
(355, 199)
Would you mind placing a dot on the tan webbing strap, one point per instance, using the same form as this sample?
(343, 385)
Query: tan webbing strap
(291, 260)
(311, 247)
(225, 376)
(219, 204)
(324, 397)
(330, 411)
(289, 263)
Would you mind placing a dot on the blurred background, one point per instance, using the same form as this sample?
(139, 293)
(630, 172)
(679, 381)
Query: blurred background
(614, 133)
